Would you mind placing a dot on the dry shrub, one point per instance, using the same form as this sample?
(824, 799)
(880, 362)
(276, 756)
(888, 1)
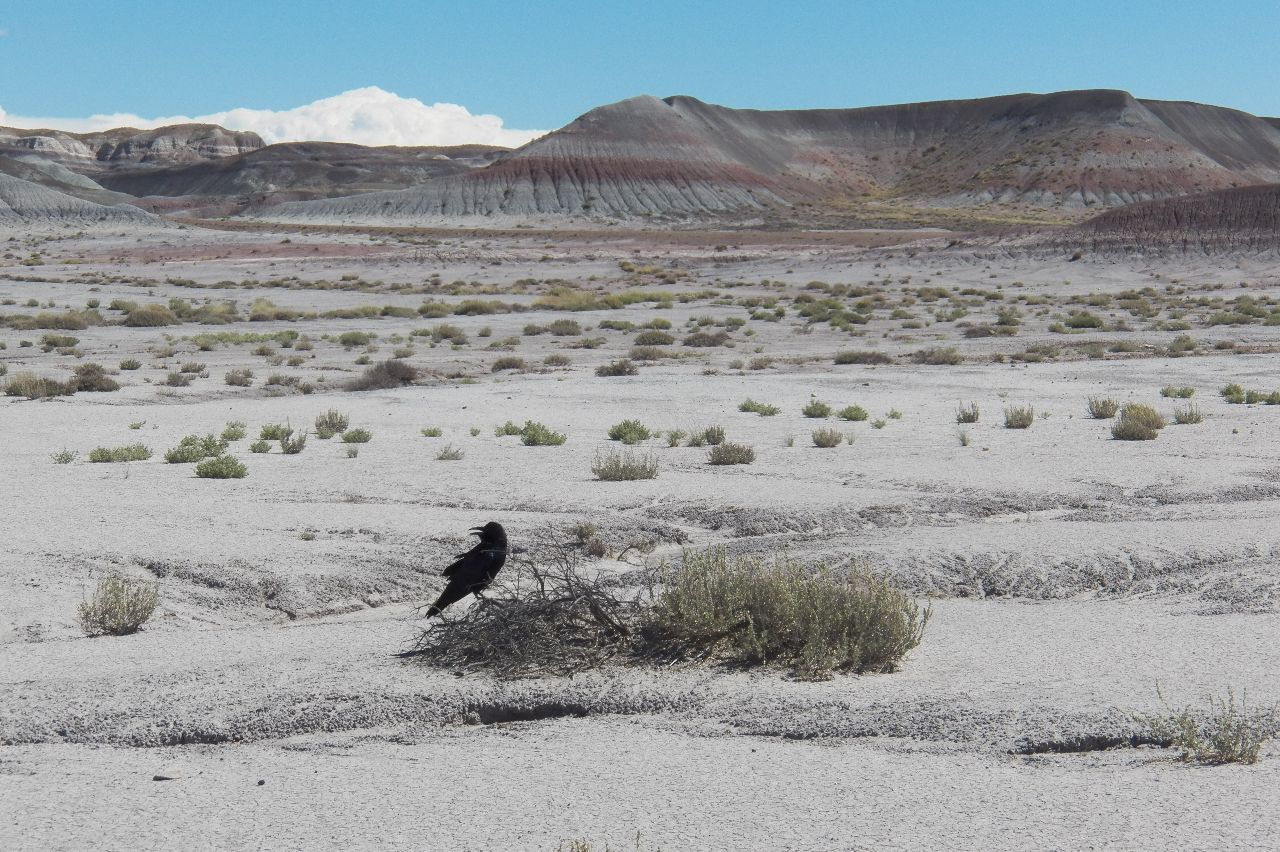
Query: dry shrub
(622, 367)
(1019, 417)
(1227, 733)
(384, 375)
(33, 386)
(92, 377)
(1138, 423)
(615, 465)
(1189, 414)
(151, 316)
(862, 357)
(747, 611)
(731, 454)
(1101, 408)
(547, 617)
(826, 438)
(937, 356)
(119, 606)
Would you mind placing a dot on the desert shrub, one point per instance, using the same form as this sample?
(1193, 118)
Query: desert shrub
(234, 431)
(292, 445)
(507, 362)
(357, 436)
(92, 377)
(862, 357)
(239, 378)
(894, 414)
(706, 338)
(1188, 414)
(555, 359)
(330, 423)
(194, 448)
(178, 380)
(622, 367)
(506, 429)
(852, 412)
(1227, 733)
(150, 316)
(763, 409)
(1084, 319)
(937, 356)
(816, 409)
(260, 446)
(675, 436)
(629, 432)
(615, 465)
(1137, 423)
(1102, 408)
(37, 387)
(826, 438)
(713, 435)
(1174, 392)
(119, 606)
(127, 453)
(1019, 417)
(432, 432)
(356, 338)
(450, 453)
(650, 353)
(64, 456)
(384, 375)
(746, 611)
(535, 434)
(564, 327)
(275, 431)
(192, 367)
(653, 337)
(50, 342)
(130, 364)
(1183, 343)
(731, 454)
(967, 413)
(221, 467)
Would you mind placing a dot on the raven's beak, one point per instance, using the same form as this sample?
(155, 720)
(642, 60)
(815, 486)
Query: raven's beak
(477, 530)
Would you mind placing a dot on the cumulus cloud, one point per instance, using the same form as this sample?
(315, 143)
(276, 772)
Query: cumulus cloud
(368, 116)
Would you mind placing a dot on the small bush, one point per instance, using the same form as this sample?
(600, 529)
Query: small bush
(937, 357)
(1227, 733)
(816, 409)
(260, 447)
(555, 359)
(357, 436)
(150, 316)
(826, 438)
(119, 606)
(1102, 408)
(32, 386)
(128, 453)
(356, 338)
(222, 467)
(507, 362)
(855, 413)
(178, 380)
(616, 465)
(240, 378)
(92, 377)
(64, 456)
(967, 413)
(675, 436)
(330, 423)
(865, 357)
(653, 338)
(537, 435)
(291, 446)
(706, 338)
(746, 611)
(1174, 392)
(384, 376)
(763, 409)
(629, 432)
(275, 431)
(130, 364)
(1137, 423)
(1019, 417)
(432, 432)
(192, 367)
(731, 454)
(564, 327)
(506, 429)
(194, 448)
(234, 431)
(450, 453)
(1144, 414)
(713, 435)
(1189, 414)
(623, 367)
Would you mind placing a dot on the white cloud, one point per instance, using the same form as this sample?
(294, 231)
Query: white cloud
(368, 116)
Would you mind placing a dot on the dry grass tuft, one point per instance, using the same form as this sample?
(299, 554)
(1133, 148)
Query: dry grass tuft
(1102, 408)
(1019, 417)
(119, 606)
(615, 465)
(384, 375)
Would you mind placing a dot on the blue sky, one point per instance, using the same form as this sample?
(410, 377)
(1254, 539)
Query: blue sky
(538, 65)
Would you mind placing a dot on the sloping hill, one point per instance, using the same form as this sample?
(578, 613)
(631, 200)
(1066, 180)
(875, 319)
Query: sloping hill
(1245, 218)
(646, 157)
(29, 204)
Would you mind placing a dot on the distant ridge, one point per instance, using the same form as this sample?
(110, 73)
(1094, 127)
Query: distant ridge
(29, 204)
(680, 157)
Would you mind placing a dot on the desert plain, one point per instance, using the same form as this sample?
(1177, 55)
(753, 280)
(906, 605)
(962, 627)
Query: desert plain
(1075, 581)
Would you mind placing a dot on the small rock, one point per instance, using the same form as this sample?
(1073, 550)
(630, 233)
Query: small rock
(261, 781)
(163, 778)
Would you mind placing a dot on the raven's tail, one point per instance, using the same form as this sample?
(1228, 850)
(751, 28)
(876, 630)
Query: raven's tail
(452, 593)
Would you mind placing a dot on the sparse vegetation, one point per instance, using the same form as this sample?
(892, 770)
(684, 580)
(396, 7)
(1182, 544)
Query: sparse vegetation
(855, 413)
(130, 364)
(234, 431)
(241, 378)
(1173, 392)
(357, 436)
(1102, 408)
(863, 357)
(33, 386)
(615, 465)
(432, 432)
(385, 375)
(1189, 414)
(330, 423)
(119, 606)
(221, 467)
(623, 367)
(1228, 732)
(763, 409)
(967, 413)
(816, 409)
(507, 362)
(535, 434)
(64, 456)
(729, 453)
(260, 447)
(1019, 416)
(127, 453)
(1137, 423)
(629, 432)
(450, 453)
(826, 438)
(194, 448)
(744, 610)
(937, 356)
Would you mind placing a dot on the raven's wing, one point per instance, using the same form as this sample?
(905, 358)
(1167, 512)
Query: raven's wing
(462, 560)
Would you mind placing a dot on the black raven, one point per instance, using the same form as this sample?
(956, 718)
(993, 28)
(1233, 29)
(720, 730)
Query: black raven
(474, 570)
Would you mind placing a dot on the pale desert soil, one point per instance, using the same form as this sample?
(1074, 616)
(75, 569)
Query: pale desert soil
(1068, 573)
